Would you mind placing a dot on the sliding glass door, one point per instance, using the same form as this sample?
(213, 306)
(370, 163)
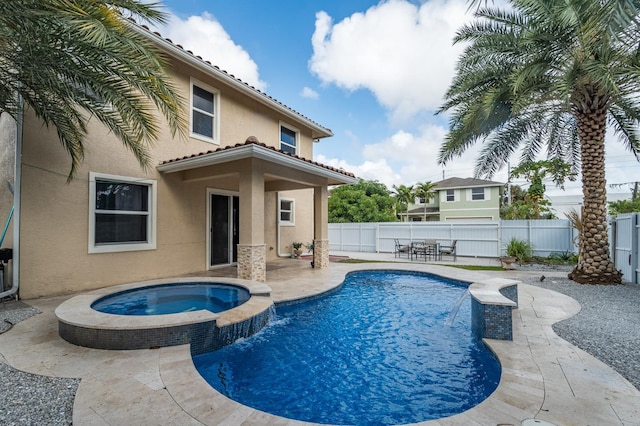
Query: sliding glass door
(224, 233)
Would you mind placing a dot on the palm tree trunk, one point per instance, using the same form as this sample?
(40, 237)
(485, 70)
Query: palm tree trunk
(595, 265)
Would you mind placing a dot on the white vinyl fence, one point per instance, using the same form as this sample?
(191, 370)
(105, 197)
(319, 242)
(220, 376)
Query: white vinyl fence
(488, 239)
(479, 239)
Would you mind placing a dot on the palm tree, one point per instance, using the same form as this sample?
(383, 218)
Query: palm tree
(403, 195)
(425, 191)
(551, 73)
(71, 61)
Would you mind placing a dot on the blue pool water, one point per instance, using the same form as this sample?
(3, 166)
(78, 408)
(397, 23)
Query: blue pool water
(379, 351)
(173, 298)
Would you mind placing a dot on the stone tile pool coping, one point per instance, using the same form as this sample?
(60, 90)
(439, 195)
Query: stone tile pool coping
(543, 376)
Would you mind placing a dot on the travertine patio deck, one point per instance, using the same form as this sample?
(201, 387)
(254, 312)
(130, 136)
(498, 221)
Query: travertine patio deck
(543, 376)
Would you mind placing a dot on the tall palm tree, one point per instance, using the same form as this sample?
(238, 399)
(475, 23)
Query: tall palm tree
(71, 60)
(551, 73)
(403, 195)
(426, 191)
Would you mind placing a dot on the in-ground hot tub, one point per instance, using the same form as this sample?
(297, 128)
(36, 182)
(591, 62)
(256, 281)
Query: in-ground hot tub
(173, 298)
(174, 312)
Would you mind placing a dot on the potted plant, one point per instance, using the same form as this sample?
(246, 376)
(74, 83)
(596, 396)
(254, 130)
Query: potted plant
(517, 251)
(297, 248)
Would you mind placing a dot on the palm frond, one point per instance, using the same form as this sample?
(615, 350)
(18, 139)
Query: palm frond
(73, 60)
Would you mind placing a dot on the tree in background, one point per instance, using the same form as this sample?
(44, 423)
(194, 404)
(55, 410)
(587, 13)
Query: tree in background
(73, 61)
(533, 205)
(425, 191)
(402, 195)
(365, 201)
(626, 206)
(551, 73)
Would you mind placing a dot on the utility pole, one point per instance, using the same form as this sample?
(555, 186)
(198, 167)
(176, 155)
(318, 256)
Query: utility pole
(508, 183)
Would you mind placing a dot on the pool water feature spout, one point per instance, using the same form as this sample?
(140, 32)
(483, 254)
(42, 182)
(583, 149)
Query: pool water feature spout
(456, 308)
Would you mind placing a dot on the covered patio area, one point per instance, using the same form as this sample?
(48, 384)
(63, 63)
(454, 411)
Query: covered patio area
(252, 170)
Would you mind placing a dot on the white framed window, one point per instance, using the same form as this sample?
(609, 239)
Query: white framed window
(204, 112)
(477, 194)
(451, 195)
(286, 212)
(122, 213)
(289, 139)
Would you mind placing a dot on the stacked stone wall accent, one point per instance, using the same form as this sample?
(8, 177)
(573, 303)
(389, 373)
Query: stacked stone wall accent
(252, 262)
(320, 254)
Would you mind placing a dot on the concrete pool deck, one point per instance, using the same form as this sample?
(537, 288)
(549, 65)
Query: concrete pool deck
(543, 377)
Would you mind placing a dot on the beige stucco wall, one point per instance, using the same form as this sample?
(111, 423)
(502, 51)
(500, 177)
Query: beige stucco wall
(303, 229)
(55, 214)
(7, 166)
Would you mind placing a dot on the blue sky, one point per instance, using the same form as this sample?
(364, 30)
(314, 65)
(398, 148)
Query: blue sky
(372, 71)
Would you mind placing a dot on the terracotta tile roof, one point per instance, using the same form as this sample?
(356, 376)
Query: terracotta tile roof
(216, 69)
(253, 141)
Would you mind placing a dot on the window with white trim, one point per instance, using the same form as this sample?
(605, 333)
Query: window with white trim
(121, 213)
(204, 112)
(451, 195)
(288, 140)
(287, 211)
(477, 194)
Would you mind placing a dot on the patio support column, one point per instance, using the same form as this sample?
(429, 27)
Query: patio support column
(321, 227)
(252, 264)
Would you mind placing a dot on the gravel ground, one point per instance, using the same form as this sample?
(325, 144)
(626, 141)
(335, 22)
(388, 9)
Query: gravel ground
(30, 399)
(606, 327)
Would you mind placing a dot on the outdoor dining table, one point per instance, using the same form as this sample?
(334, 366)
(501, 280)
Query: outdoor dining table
(426, 249)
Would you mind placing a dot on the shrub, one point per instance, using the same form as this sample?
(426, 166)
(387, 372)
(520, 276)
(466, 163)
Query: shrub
(563, 257)
(521, 250)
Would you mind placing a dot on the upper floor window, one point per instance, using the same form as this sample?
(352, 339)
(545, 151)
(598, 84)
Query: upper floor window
(477, 193)
(451, 195)
(288, 140)
(121, 213)
(204, 112)
(287, 209)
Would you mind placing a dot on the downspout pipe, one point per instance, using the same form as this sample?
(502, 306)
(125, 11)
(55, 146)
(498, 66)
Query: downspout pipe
(15, 209)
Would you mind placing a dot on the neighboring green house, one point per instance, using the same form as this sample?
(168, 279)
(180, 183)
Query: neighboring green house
(459, 199)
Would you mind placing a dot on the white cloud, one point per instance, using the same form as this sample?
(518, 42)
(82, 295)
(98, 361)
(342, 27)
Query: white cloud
(401, 52)
(369, 170)
(309, 93)
(206, 37)
(407, 158)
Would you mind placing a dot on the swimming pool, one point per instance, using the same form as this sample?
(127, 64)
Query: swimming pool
(378, 351)
(173, 298)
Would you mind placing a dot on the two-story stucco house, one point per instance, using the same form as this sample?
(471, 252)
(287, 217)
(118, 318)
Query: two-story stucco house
(459, 199)
(239, 191)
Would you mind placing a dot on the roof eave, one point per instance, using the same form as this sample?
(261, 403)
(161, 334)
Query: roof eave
(256, 151)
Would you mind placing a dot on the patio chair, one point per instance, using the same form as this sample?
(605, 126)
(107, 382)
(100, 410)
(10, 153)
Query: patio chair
(401, 248)
(449, 250)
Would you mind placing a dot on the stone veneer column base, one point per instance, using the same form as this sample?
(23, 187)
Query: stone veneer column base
(320, 254)
(252, 262)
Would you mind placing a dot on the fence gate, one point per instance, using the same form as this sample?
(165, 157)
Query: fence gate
(625, 239)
